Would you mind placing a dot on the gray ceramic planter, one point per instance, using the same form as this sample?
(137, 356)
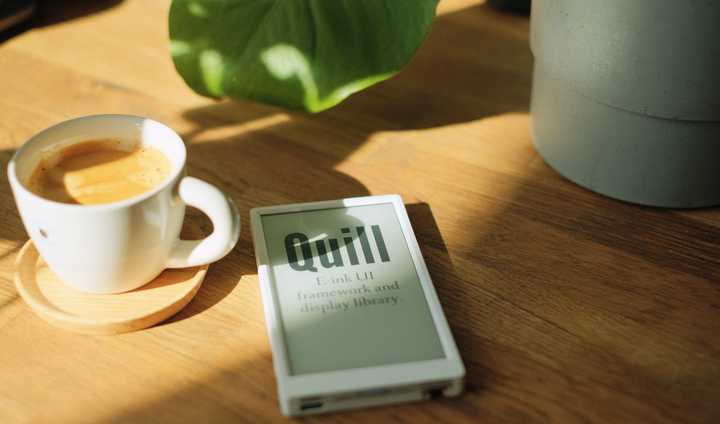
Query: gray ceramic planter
(626, 97)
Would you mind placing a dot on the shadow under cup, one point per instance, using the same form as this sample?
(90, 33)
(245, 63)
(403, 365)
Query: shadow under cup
(105, 248)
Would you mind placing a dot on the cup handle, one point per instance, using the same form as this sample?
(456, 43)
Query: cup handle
(225, 219)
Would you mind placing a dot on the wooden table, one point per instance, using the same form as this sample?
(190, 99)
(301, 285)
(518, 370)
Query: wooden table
(566, 306)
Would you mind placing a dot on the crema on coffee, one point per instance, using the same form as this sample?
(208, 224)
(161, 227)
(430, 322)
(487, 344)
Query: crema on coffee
(98, 171)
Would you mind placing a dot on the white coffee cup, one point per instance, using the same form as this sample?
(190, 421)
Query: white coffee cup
(116, 247)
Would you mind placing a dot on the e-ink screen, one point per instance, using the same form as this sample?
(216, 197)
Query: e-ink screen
(349, 294)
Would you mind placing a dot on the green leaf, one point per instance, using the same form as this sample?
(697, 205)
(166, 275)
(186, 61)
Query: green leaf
(301, 54)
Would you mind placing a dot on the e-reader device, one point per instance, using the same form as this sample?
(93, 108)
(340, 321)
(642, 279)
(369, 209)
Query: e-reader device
(352, 314)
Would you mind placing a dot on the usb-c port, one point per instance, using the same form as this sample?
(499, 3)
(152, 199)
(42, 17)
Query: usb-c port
(434, 393)
(311, 405)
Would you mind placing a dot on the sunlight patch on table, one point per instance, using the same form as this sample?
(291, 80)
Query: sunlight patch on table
(175, 383)
(450, 6)
(208, 134)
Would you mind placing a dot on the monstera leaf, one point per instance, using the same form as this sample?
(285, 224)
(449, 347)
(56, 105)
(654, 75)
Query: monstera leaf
(301, 54)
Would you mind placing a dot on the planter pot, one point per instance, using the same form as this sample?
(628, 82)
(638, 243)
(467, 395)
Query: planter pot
(626, 97)
(621, 154)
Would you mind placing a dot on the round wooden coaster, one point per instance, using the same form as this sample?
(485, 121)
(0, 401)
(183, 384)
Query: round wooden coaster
(65, 307)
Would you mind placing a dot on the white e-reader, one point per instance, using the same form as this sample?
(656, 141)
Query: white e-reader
(352, 314)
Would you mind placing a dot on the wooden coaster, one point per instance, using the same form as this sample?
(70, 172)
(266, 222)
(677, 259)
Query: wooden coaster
(65, 307)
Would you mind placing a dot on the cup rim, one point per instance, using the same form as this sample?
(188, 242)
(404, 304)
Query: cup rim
(130, 201)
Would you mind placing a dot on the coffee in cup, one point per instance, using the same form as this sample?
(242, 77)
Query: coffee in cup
(99, 171)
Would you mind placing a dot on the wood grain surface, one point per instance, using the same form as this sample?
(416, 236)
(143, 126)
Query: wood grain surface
(566, 306)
